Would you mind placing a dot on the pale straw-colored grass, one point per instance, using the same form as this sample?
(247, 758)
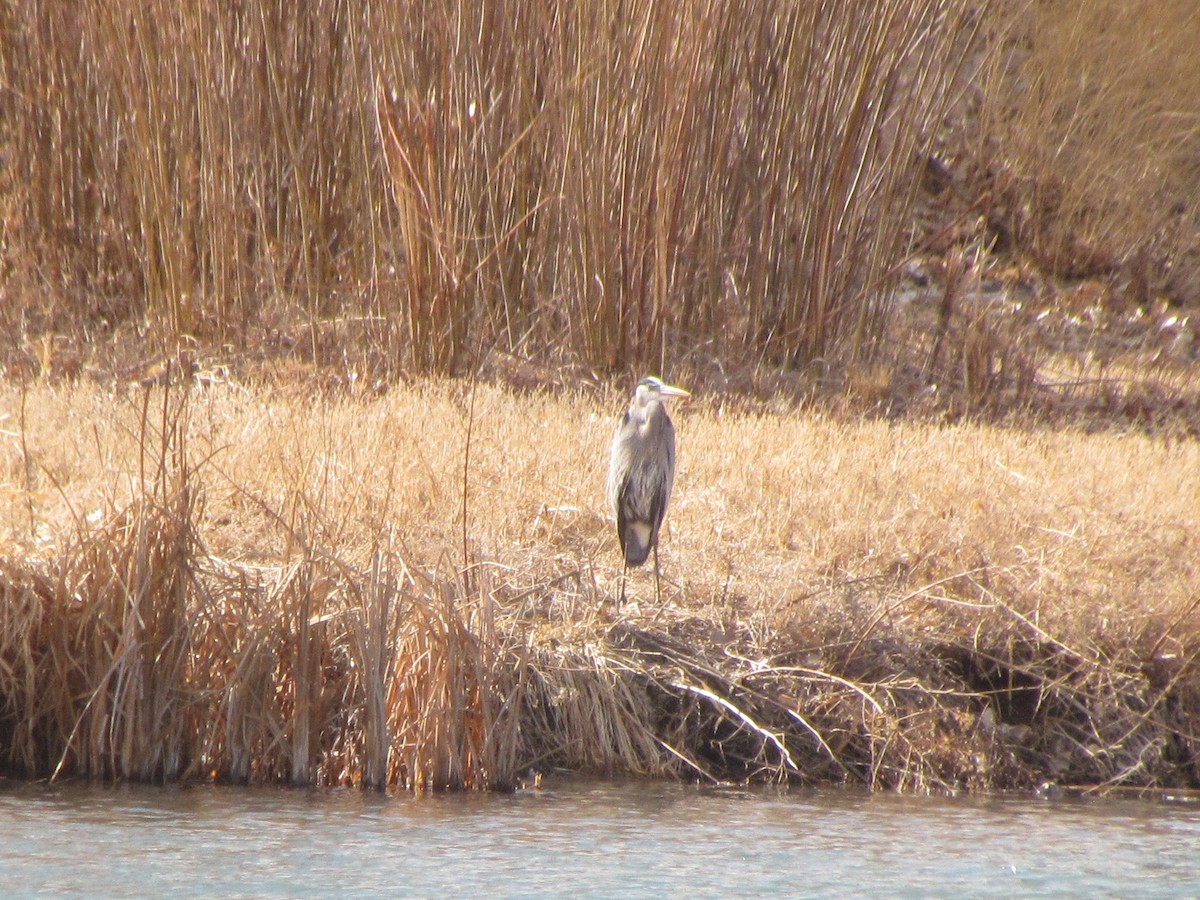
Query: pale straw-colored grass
(278, 591)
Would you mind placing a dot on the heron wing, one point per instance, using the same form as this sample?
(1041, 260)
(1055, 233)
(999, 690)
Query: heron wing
(641, 475)
(636, 528)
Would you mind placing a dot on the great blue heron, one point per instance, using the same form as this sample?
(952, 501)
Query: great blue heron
(640, 473)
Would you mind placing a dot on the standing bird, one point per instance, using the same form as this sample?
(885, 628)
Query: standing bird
(640, 473)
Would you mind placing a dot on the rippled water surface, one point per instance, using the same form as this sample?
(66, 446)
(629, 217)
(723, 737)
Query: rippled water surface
(587, 838)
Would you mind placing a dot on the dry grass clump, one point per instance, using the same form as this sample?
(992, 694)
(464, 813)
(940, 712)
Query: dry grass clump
(132, 651)
(265, 586)
(411, 585)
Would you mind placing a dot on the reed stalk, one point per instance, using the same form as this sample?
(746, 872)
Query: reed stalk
(618, 186)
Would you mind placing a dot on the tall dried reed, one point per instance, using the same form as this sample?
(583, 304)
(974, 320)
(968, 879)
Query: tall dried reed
(619, 184)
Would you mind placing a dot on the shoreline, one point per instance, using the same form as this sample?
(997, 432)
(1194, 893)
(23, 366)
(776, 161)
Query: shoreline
(292, 606)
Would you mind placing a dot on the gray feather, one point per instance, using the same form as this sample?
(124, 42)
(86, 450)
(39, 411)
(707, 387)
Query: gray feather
(641, 472)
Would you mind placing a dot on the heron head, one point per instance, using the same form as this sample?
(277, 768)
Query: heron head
(653, 388)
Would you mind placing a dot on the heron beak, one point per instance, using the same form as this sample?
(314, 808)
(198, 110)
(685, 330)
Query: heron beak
(669, 390)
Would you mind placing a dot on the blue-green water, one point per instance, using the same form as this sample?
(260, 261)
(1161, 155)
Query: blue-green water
(587, 838)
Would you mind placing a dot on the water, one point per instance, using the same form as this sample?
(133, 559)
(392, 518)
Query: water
(587, 838)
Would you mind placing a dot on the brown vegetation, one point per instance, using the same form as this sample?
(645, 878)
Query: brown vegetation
(1060, 226)
(1089, 166)
(211, 214)
(264, 586)
(425, 179)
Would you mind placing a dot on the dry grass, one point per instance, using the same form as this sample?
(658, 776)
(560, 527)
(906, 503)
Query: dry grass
(579, 190)
(267, 586)
(1084, 168)
(240, 581)
(425, 179)
(1058, 229)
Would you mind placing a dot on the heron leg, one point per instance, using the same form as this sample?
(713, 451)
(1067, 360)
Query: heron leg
(657, 587)
(624, 570)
